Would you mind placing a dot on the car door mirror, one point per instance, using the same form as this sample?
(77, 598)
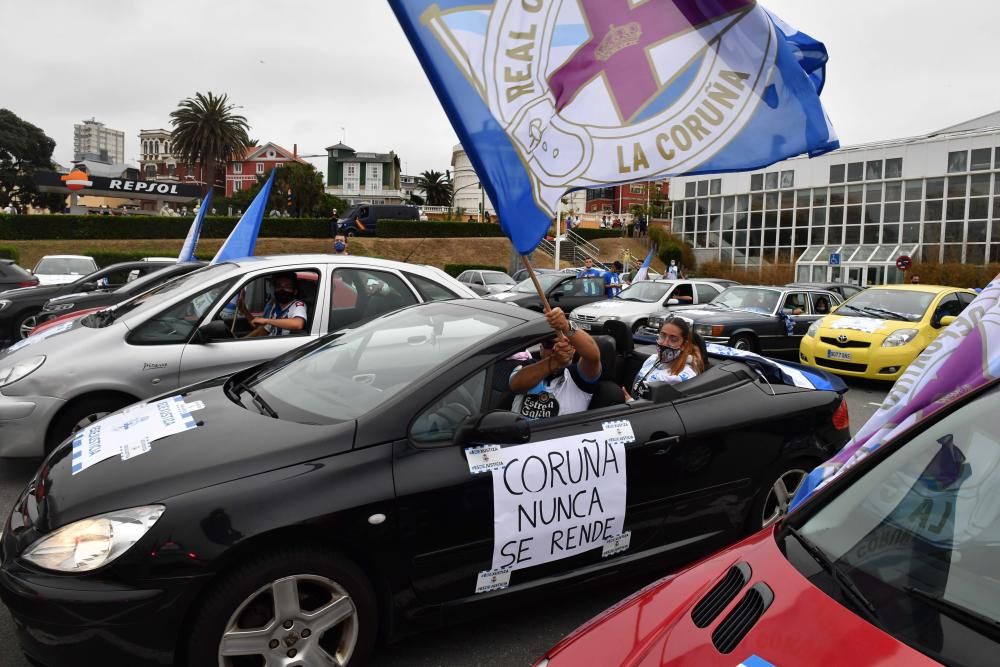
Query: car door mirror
(495, 427)
(88, 286)
(556, 296)
(212, 331)
(942, 322)
(673, 302)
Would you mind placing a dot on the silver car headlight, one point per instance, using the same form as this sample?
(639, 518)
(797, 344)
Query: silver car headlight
(11, 374)
(813, 329)
(899, 337)
(4, 303)
(88, 544)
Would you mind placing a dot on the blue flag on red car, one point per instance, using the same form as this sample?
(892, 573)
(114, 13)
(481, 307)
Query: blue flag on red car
(243, 239)
(548, 96)
(191, 242)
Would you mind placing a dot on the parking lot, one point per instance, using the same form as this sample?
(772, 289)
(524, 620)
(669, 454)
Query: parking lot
(508, 638)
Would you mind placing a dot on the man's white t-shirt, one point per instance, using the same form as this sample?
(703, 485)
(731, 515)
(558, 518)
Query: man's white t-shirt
(563, 395)
(294, 308)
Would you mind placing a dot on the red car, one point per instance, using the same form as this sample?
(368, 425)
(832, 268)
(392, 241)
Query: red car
(895, 562)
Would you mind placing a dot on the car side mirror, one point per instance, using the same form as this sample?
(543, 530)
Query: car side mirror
(940, 323)
(214, 330)
(556, 296)
(495, 427)
(673, 302)
(88, 286)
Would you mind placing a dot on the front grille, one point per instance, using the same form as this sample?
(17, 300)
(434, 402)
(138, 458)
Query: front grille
(841, 365)
(735, 626)
(851, 343)
(585, 318)
(721, 595)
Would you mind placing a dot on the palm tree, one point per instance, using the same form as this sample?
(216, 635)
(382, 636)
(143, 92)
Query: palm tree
(436, 189)
(208, 132)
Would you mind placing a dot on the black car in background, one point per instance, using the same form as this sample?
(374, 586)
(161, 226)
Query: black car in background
(19, 308)
(759, 319)
(70, 303)
(13, 276)
(844, 290)
(561, 289)
(323, 499)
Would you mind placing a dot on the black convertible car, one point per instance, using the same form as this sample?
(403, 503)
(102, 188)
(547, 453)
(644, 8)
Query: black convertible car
(315, 502)
(766, 320)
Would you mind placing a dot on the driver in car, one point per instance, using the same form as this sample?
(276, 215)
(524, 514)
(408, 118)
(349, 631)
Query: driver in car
(558, 385)
(283, 314)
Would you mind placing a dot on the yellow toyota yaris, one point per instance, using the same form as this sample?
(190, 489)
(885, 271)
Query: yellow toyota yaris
(877, 333)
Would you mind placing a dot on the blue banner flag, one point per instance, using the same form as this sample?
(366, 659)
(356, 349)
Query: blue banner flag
(643, 271)
(554, 95)
(191, 242)
(243, 239)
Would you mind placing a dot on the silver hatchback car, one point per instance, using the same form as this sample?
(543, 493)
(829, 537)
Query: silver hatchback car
(185, 331)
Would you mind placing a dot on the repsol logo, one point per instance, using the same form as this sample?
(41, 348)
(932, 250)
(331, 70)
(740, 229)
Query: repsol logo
(143, 186)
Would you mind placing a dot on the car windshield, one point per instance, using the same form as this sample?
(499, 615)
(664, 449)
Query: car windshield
(547, 280)
(346, 376)
(498, 279)
(919, 534)
(757, 300)
(142, 283)
(646, 292)
(892, 304)
(65, 265)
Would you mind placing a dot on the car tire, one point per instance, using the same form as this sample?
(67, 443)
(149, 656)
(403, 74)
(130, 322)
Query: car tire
(23, 325)
(81, 413)
(781, 482)
(330, 610)
(743, 342)
(638, 326)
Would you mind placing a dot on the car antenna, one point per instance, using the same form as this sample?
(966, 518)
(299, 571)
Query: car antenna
(764, 378)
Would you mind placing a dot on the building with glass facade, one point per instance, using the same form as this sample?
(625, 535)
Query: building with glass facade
(850, 214)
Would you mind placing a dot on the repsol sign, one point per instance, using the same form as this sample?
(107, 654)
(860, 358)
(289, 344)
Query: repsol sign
(144, 186)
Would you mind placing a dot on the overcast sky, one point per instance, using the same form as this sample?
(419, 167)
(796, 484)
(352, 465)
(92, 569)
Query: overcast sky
(304, 69)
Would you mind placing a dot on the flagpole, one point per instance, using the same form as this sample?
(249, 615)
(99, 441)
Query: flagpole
(558, 243)
(538, 285)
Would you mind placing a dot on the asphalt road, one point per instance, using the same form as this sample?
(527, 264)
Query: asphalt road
(509, 639)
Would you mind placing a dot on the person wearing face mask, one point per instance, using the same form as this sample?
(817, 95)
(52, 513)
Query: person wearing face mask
(678, 358)
(340, 245)
(283, 315)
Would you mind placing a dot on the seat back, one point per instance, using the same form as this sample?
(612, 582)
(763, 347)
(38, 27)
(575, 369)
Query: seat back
(608, 391)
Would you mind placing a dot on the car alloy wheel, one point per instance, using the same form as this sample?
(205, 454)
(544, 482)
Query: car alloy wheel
(298, 620)
(26, 325)
(743, 343)
(780, 495)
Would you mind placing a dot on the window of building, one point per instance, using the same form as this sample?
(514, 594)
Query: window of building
(933, 210)
(911, 211)
(237, 167)
(975, 230)
(787, 199)
(689, 190)
(756, 182)
(956, 186)
(819, 197)
(980, 159)
(958, 161)
(913, 190)
(237, 186)
(771, 201)
(894, 167)
(836, 173)
(855, 171)
(979, 185)
(171, 170)
(260, 167)
(996, 158)
(150, 171)
(891, 212)
(802, 198)
(853, 215)
(788, 179)
(771, 180)
(955, 209)
(635, 189)
(873, 170)
(855, 194)
(702, 188)
(352, 177)
(873, 193)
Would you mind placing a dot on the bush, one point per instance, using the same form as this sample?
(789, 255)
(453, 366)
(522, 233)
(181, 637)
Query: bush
(670, 247)
(9, 252)
(454, 270)
(435, 229)
(38, 227)
(592, 234)
(954, 274)
(768, 274)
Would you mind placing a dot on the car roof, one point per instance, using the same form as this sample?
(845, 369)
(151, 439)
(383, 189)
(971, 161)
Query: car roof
(67, 257)
(264, 261)
(934, 289)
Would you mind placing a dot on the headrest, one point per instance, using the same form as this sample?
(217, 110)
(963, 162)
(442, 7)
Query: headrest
(608, 356)
(622, 335)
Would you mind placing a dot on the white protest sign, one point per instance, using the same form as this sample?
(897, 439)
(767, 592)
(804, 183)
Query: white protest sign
(129, 433)
(557, 498)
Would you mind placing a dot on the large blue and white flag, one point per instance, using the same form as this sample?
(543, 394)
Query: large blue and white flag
(191, 242)
(243, 239)
(555, 95)
(643, 271)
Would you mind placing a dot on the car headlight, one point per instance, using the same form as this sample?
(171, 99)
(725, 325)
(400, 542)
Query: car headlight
(12, 374)
(88, 544)
(611, 318)
(899, 337)
(813, 329)
(4, 303)
(709, 329)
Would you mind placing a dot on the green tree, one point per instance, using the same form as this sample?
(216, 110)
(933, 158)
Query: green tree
(417, 200)
(435, 187)
(206, 131)
(306, 184)
(24, 149)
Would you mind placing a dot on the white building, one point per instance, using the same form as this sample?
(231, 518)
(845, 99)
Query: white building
(95, 142)
(468, 193)
(850, 214)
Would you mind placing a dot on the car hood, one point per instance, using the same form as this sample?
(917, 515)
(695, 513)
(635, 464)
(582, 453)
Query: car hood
(861, 327)
(802, 626)
(56, 279)
(37, 291)
(619, 307)
(515, 297)
(229, 442)
(721, 315)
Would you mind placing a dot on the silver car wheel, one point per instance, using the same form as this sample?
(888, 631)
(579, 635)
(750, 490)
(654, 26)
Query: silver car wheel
(743, 343)
(294, 635)
(28, 325)
(780, 495)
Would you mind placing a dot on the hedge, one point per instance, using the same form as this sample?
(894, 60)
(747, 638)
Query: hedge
(434, 229)
(454, 270)
(38, 227)
(9, 252)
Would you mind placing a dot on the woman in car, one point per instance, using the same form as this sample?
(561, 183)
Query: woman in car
(678, 358)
